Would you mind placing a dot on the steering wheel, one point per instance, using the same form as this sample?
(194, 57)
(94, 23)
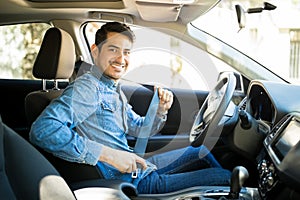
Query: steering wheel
(207, 121)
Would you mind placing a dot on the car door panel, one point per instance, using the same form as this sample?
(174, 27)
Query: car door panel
(12, 99)
(12, 103)
(175, 133)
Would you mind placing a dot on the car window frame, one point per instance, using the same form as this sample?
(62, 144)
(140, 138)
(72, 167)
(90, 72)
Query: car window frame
(36, 48)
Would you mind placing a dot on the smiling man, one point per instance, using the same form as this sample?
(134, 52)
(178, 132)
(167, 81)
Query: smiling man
(113, 56)
(89, 123)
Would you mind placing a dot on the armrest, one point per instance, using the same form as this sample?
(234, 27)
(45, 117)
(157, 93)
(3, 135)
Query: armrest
(114, 188)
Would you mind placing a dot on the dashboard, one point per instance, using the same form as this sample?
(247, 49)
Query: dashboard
(261, 107)
(268, 133)
(271, 101)
(277, 107)
(281, 144)
(278, 163)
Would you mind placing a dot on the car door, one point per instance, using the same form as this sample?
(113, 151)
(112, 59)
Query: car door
(175, 133)
(12, 101)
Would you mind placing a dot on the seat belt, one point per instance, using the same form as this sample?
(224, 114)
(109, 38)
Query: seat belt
(145, 130)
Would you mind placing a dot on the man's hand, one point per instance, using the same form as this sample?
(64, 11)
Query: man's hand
(124, 161)
(165, 100)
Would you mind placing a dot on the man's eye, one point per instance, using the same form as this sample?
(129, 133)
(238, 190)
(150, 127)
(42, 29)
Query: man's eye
(127, 53)
(113, 50)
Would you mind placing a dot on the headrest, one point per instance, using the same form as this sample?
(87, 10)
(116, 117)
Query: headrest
(56, 57)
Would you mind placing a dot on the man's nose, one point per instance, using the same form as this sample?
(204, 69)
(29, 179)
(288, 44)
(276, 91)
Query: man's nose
(121, 58)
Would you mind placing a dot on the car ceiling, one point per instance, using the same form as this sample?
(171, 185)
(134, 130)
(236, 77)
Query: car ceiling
(135, 11)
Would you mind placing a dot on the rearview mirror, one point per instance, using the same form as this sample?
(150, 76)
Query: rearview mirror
(241, 16)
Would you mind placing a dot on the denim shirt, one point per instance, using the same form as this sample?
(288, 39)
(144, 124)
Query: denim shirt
(91, 112)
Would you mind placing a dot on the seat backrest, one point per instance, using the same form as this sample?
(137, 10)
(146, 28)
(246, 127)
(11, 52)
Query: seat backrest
(24, 171)
(56, 60)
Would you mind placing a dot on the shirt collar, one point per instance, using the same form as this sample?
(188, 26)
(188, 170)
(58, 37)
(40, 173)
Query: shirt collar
(101, 76)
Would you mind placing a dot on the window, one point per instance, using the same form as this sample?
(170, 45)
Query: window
(19, 47)
(160, 59)
(271, 38)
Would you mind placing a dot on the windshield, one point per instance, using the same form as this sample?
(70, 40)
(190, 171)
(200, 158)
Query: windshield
(271, 37)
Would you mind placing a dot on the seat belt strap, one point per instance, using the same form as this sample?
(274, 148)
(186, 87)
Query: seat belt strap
(145, 130)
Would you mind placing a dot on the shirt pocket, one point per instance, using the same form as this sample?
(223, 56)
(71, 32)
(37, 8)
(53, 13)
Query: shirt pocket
(109, 106)
(110, 103)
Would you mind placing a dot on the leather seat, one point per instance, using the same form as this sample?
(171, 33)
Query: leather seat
(25, 173)
(56, 60)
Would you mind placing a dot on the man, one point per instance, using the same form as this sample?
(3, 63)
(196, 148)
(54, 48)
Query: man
(89, 122)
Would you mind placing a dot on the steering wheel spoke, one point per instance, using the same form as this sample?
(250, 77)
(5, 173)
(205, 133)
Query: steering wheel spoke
(199, 127)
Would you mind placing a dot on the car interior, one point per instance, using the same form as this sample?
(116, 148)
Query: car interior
(254, 131)
(20, 178)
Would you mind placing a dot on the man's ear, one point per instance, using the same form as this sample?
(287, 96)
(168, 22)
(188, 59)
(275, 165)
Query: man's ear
(94, 50)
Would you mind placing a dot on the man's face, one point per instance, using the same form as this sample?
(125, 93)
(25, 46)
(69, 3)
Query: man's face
(113, 57)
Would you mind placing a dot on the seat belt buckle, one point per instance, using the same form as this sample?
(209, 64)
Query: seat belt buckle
(135, 173)
(138, 170)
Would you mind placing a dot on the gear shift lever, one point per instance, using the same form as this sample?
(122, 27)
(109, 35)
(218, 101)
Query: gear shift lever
(238, 177)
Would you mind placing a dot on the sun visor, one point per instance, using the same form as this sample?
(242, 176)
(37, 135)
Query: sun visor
(160, 10)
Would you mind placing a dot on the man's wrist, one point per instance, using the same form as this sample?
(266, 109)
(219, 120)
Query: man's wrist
(106, 154)
(162, 114)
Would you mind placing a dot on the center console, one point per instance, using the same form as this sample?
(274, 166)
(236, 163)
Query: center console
(279, 161)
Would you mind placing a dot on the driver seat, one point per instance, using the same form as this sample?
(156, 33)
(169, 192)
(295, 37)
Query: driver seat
(56, 60)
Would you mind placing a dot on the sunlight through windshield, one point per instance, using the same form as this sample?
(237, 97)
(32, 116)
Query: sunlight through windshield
(271, 37)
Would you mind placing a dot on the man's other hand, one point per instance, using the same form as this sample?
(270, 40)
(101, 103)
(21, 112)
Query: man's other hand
(165, 100)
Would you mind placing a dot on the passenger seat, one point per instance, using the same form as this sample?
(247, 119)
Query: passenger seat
(56, 60)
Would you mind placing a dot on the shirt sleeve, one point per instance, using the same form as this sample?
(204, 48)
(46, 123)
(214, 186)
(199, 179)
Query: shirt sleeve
(55, 129)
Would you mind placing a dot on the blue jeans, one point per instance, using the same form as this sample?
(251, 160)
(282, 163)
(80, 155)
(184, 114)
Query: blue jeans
(183, 168)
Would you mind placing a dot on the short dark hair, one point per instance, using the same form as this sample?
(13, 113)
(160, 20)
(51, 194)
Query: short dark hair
(101, 34)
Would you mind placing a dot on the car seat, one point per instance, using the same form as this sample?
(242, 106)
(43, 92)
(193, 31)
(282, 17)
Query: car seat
(25, 173)
(56, 60)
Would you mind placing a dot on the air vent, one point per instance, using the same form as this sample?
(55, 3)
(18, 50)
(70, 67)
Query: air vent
(274, 130)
